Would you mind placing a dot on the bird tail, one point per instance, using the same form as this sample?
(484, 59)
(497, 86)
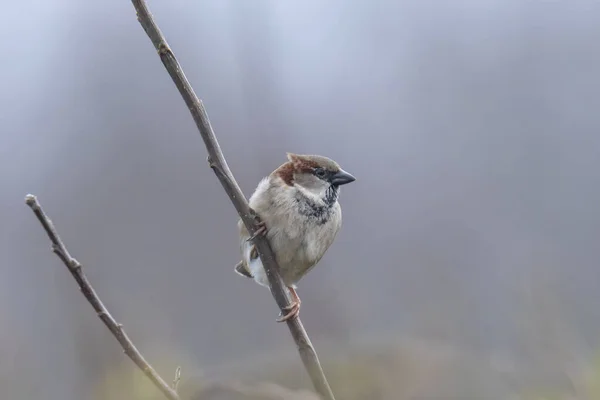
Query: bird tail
(241, 269)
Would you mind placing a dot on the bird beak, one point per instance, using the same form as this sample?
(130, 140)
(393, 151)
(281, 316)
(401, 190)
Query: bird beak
(341, 178)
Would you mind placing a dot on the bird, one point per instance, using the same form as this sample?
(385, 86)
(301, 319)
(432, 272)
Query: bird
(300, 216)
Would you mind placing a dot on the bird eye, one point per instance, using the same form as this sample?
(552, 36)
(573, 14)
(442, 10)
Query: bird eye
(320, 172)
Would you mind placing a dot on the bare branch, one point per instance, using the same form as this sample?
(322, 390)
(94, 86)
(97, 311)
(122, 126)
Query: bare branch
(217, 162)
(75, 268)
(177, 379)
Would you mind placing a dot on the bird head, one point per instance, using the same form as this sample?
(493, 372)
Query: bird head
(313, 173)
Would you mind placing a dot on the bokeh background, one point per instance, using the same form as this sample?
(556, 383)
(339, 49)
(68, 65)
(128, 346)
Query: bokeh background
(467, 266)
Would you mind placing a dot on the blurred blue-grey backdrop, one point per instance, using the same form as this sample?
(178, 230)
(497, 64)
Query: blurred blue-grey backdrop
(472, 127)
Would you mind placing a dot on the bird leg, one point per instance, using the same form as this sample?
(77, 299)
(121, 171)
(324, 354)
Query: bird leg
(261, 226)
(262, 230)
(293, 308)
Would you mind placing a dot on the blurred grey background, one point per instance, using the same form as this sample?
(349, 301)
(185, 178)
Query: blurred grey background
(472, 127)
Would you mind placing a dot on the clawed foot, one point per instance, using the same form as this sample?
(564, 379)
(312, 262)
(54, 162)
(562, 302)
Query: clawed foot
(293, 309)
(262, 230)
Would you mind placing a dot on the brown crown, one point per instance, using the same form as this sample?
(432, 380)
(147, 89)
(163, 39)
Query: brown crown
(303, 163)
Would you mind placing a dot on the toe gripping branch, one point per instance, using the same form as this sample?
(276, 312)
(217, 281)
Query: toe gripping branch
(293, 309)
(260, 225)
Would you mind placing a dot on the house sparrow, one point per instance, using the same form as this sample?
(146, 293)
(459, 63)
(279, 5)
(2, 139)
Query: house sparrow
(300, 216)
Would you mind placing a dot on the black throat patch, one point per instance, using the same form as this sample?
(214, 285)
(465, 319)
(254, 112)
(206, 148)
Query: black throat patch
(320, 212)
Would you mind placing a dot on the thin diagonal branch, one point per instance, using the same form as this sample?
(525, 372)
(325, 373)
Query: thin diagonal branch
(75, 268)
(217, 162)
